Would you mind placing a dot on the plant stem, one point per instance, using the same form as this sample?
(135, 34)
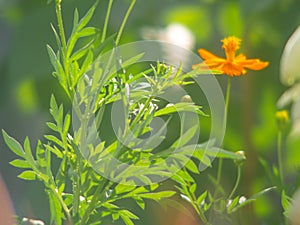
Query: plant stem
(236, 183)
(61, 26)
(124, 21)
(94, 201)
(58, 196)
(279, 153)
(193, 200)
(225, 122)
(106, 20)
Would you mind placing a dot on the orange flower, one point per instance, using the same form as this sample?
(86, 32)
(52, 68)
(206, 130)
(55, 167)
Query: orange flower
(232, 65)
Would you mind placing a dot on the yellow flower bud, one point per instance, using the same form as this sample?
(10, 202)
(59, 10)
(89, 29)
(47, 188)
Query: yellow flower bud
(282, 118)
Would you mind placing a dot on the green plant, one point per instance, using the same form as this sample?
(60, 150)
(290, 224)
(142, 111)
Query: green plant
(94, 174)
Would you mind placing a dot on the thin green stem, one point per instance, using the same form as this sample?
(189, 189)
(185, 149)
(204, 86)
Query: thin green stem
(124, 21)
(227, 99)
(196, 206)
(237, 182)
(61, 25)
(64, 47)
(279, 155)
(106, 20)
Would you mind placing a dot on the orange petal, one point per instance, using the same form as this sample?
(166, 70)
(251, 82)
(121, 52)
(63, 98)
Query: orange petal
(253, 64)
(207, 55)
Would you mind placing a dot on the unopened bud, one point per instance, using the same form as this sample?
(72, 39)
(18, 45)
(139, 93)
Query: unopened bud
(241, 160)
(186, 98)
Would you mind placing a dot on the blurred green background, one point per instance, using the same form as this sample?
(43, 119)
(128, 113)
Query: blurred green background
(26, 81)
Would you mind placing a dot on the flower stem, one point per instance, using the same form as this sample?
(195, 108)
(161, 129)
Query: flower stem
(124, 21)
(227, 99)
(106, 20)
(279, 155)
(236, 183)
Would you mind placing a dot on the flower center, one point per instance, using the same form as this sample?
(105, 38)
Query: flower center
(231, 45)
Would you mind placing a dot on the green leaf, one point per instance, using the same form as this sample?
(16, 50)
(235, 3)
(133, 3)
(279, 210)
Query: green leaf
(54, 150)
(79, 54)
(180, 107)
(58, 42)
(186, 137)
(28, 152)
(28, 175)
(285, 201)
(41, 155)
(75, 20)
(115, 216)
(52, 126)
(233, 203)
(132, 60)
(129, 214)
(84, 21)
(66, 125)
(13, 145)
(54, 139)
(201, 198)
(191, 166)
(88, 31)
(209, 150)
(157, 195)
(20, 163)
(127, 220)
(86, 63)
(53, 106)
(140, 202)
(61, 175)
(52, 56)
(122, 188)
(56, 209)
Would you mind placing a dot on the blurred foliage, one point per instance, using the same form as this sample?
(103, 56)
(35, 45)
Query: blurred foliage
(264, 25)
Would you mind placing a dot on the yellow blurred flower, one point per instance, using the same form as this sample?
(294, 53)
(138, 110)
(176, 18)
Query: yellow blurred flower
(282, 118)
(232, 65)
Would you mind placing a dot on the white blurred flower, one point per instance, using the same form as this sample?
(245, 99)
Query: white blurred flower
(242, 199)
(294, 211)
(290, 60)
(175, 33)
(180, 38)
(290, 75)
